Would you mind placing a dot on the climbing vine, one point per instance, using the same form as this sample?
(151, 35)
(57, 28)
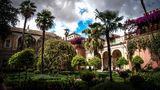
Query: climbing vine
(145, 42)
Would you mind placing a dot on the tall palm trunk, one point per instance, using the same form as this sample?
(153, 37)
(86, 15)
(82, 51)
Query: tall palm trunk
(42, 57)
(66, 37)
(109, 55)
(144, 8)
(23, 33)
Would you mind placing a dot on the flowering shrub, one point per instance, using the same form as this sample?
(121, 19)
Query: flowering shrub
(76, 40)
(148, 22)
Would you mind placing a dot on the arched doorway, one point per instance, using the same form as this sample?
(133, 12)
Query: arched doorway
(19, 42)
(105, 60)
(98, 55)
(115, 55)
(29, 42)
(38, 43)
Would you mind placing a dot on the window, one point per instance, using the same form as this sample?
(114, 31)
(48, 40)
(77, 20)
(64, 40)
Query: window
(7, 44)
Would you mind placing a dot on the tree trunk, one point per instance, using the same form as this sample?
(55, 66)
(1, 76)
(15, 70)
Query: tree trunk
(23, 33)
(144, 8)
(109, 54)
(42, 57)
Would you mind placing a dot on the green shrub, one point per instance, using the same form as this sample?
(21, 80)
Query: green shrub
(112, 86)
(87, 76)
(137, 60)
(137, 81)
(124, 75)
(102, 75)
(57, 55)
(78, 60)
(151, 78)
(94, 61)
(24, 58)
(42, 77)
(37, 72)
(122, 61)
(43, 84)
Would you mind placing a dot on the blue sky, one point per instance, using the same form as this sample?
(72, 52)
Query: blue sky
(82, 25)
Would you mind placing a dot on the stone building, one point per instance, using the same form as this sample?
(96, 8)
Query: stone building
(13, 41)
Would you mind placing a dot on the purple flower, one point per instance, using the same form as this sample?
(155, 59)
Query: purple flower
(76, 40)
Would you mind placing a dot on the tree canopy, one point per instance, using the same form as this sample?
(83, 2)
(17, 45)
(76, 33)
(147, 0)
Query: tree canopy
(23, 58)
(137, 60)
(8, 18)
(95, 61)
(27, 9)
(44, 20)
(57, 54)
(78, 60)
(94, 42)
(122, 61)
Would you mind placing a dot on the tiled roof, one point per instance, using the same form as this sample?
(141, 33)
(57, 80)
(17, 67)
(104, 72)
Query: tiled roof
(33, 32)
(74, 34)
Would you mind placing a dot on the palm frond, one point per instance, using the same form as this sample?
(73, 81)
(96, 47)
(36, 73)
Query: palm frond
(44, 20)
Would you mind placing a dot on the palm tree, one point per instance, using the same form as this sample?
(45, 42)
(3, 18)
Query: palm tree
(27, 9)
(44, 22)
(111, 21)
(94, 42)
(66, 33)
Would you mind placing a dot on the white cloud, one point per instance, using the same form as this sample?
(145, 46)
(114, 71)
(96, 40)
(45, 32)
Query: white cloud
(67, 11)
(30, 22)
(59, 29)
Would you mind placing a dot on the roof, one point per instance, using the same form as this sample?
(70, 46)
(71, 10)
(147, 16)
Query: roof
(33, 32)
(74, 34)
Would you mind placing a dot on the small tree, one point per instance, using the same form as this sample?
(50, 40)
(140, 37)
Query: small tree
(23, 59)
(95, 62)
(78, 60)
(122, 61)
(57, 55)
(137, 61)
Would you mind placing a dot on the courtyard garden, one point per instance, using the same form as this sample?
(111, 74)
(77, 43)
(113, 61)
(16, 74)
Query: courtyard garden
(55, 63)
(83, 80)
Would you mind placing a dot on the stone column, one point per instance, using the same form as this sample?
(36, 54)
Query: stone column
(102, 62)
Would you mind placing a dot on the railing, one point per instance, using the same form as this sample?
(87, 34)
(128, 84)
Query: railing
(116, 41)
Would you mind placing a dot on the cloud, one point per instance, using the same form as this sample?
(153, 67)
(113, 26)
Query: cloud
(67, 12)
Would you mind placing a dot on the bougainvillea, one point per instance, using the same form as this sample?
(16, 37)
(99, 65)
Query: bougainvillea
(77, 40)
(148, 22)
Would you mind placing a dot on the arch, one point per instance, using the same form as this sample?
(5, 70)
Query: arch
(39, 42)
(19, 42)
(98, 55)
(105, 60)
(115, 55)
(29, 41)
